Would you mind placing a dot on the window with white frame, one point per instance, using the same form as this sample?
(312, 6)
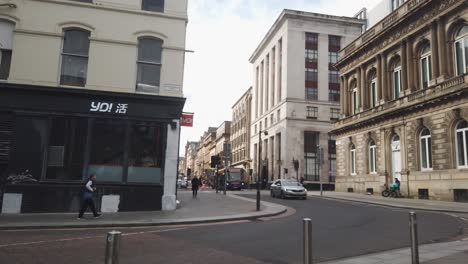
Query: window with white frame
(461, 50)
(462, 144)
(372, 157)
(374, 92)
(397, 80)
(425, 65)
(149, 64)
(353, 160)
(6, 46)
(425, 146)
(75, 53)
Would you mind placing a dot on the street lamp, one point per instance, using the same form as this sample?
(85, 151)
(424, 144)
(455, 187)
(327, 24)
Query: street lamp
(259, 166)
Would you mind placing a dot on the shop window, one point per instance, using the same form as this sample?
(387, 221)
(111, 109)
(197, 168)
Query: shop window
(6, 46)
(460, 195)
(461, 50)
(149, 64)
(27, 152)
(107, 150)
(423, 194)
(67, 141)
(75, 57)
(145, 154)
(153, 5)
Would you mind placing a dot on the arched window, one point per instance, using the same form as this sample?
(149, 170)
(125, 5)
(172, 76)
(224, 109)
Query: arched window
(425, 65)
(149, 64)
(461, 50)
(396, 79)
(425, 147)
(353, 160)
(372, 157)
(373, 90)
(461, 132)
(355, 98)
(6, 46)
(75, 53)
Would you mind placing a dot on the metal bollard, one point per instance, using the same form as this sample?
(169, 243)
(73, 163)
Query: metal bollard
(307, 240)
(414, 238)
(321, 189)
(113, 247)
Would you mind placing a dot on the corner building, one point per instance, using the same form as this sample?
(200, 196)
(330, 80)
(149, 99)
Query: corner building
(295, 95)
(405, 109)
(90, 87)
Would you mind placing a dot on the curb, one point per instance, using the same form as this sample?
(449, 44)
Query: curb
(266, 212)
(391, 205)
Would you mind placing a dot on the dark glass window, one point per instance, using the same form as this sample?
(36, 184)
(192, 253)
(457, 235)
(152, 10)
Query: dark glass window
(149, 64)
(29, 142)
(311, 93)
(334, 114)
(312, 112)
(67, 141)
(107, 150)
(6, 45)
(75, 57)
(145, 155)
(311, 140)
(5, 62)
(334, 44)
(153, 5)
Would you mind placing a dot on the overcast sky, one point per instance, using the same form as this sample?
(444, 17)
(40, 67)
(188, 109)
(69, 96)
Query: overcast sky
(223, 34)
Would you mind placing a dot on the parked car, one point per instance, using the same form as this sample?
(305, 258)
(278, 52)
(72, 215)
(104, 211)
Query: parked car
(182, 183)
(288, 188)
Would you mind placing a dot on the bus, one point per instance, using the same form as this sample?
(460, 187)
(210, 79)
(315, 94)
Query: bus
(233, 178)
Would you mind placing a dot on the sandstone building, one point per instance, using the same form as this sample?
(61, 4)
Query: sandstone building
(404, 105)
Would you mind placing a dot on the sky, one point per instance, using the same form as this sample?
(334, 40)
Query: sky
(223, 35)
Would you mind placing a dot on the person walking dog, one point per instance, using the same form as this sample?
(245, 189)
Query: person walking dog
(87, 200)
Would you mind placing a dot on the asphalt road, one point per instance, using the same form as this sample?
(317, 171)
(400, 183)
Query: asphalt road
(340, 229)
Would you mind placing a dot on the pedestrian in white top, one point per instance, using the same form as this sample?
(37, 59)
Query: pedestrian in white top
(89, 190)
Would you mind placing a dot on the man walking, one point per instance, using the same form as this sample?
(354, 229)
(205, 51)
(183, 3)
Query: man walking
(195, 184)
(88, 201)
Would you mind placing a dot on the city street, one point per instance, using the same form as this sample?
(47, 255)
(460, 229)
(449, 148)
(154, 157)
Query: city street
(340, 229)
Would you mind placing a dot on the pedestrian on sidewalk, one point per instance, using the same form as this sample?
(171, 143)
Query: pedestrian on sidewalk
(195, 184)
(87, 200)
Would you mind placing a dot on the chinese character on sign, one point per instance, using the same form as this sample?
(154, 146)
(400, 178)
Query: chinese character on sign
(103, 107)
(121, 109)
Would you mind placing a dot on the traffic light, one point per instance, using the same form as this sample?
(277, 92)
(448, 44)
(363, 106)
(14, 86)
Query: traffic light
(214, 161)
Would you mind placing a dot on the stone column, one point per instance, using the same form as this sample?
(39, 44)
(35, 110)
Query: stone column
(434, 51)
(359, 88)
(170, 171)
(363, 88)
(342, 96)
(345, 109)
(410, 63)
(384, 87)
(378, 62)
(442, 48)
(404, 67)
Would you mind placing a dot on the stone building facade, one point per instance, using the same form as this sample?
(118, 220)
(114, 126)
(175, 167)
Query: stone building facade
(405, 106)
(295, 94)
(191, 149)
(240, 132)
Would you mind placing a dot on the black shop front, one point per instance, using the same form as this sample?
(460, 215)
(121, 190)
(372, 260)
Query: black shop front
(52, 138)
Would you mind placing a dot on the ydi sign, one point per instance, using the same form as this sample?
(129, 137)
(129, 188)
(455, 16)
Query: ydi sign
(104, 107)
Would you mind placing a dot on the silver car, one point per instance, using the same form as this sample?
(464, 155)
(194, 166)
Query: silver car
(288, 188)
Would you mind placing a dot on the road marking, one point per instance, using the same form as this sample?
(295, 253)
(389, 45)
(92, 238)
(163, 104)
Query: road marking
(83, 238)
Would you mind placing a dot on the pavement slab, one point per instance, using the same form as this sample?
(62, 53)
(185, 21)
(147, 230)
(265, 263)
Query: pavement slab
(207, 207)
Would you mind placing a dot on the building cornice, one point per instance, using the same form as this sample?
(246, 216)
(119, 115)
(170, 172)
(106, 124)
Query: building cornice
(117, 9)
(301, 15)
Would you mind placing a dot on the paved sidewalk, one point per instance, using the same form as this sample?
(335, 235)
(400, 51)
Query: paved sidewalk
(417, 204)
(441, 253)
(207, 207)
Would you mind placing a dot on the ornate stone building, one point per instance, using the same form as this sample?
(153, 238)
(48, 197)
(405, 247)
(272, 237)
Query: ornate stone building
(405, 108)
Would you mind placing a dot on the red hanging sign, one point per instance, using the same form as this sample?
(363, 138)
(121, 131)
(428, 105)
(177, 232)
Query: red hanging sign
(187, 120)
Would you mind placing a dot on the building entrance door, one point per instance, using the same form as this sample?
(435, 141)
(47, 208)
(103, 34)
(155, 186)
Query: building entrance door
(396, 158)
